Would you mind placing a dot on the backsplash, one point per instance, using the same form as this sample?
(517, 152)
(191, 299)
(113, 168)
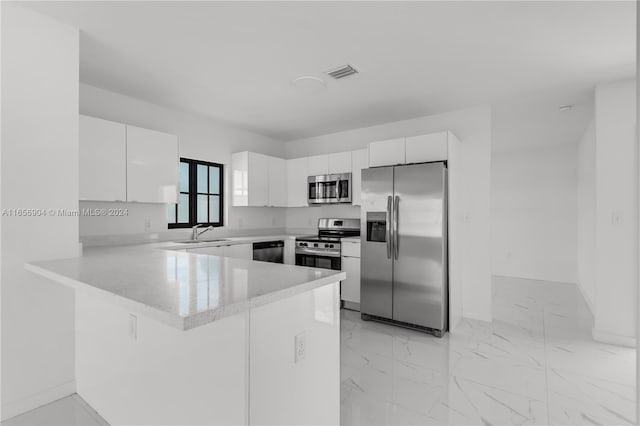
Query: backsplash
(304, 220)
(145, 222)
(144, 218)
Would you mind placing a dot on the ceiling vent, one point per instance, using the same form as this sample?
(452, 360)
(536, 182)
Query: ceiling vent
(342, 72)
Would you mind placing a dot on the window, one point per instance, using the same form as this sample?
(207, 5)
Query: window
(201, 195)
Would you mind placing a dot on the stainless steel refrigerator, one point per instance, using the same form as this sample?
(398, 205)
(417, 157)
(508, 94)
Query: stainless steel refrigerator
(404, 267)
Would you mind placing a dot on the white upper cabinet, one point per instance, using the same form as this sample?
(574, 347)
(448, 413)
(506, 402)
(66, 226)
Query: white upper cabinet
(359, 161)
(152, 166)
(277, 182)
(250, 179)
(318, 165)
(103, 160)
(297, 174)
(387, 153)
(340, 162)
(412, 149)
(426, 148)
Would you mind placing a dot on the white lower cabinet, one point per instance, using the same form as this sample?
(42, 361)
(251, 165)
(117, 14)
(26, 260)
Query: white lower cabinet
(289, 252)
(350, 287)
(239, 251)
(214, 250)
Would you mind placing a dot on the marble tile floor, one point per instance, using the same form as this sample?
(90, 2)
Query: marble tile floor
(535, 364)
(69, 411)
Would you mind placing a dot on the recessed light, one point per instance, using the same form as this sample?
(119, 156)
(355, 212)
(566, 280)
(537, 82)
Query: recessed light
(309, 83)
(565, 108)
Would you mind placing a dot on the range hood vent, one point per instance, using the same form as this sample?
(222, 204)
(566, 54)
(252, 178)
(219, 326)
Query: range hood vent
(342, 72)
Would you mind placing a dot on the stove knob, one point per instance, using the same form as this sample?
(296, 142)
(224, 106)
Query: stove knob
(326, 246)
(303, 244)
(315, 245)
(331, 245)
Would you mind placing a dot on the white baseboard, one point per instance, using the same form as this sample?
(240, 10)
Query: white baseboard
(613, 339)
(22, 405)
(477, 316)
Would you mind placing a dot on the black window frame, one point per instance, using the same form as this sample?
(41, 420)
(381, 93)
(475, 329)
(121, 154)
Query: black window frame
(193, 195)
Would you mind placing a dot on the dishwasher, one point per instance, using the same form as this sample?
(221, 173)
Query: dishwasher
(269, 251)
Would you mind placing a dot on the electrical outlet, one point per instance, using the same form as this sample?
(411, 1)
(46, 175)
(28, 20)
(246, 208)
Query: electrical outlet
(133, 326)
(300, 345)
(147, 225)
(616, 218)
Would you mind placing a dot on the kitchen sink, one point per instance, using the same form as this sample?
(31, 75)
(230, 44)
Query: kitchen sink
(217, 240)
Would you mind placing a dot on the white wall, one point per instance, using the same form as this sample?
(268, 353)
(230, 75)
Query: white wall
(200, 138)
(470, 163)
(534, 212)
(534, 184)
(616, 198)
(587, 215)
(39, 170)
(305, 219)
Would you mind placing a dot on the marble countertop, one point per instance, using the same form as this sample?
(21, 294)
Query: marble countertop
(351, 239)
(182, 289)
(226, 241)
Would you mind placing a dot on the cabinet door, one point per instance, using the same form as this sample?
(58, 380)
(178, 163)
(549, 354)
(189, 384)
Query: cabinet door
(350, 287)
(289, 252)
(277, 182)
(152, 166)
(318, 165)
(258, 180)
(103, 160)
(387, 153)
(359, 161)
(239, 251)
(215, 250)
(340, 162)
(297, 174)
(426, 148)
(350, 249)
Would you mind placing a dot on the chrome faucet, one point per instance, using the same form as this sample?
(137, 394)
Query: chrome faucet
(195, 234)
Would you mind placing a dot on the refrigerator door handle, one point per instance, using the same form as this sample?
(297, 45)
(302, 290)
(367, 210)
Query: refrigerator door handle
(388, 226)
(396, 246)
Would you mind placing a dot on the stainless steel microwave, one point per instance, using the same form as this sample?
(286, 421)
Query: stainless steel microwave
(329, 189)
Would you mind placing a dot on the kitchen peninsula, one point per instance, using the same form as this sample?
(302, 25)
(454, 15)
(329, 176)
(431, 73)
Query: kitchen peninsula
(170, 337)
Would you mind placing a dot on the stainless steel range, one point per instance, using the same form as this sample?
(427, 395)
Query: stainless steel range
(323, 250)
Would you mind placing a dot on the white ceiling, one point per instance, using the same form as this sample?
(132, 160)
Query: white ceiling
(235, 61)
